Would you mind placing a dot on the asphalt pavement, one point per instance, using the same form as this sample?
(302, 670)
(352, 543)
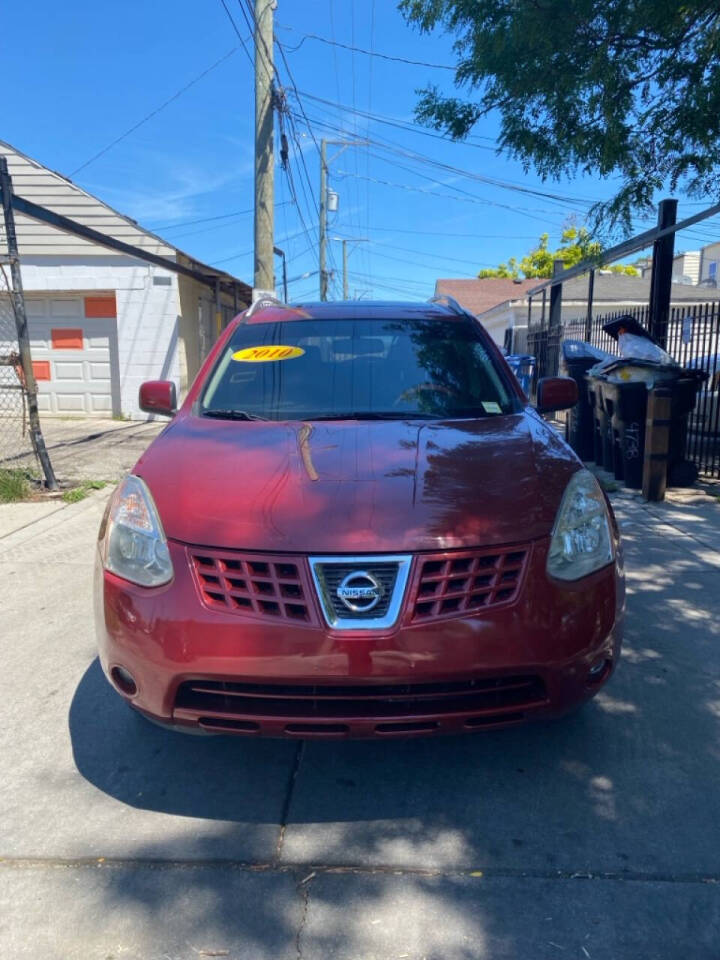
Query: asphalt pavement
(597, 837)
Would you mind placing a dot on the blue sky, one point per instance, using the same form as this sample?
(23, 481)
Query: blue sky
(94, 70)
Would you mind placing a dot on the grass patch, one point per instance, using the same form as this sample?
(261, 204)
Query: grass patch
(75, 494)
(14, 486)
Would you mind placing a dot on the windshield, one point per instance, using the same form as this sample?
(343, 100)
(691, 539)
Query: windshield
(365, 369)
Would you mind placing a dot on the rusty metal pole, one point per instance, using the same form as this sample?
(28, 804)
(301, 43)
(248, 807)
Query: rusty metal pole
(30, 386)
(657, 444)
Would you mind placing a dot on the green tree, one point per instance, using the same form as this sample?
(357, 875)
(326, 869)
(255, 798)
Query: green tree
(576, 244)
(621, 88)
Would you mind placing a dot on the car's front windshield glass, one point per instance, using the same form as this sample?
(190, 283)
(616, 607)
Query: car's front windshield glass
(356, 368)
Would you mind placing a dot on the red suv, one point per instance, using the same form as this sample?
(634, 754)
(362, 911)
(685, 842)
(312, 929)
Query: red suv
(356, 525)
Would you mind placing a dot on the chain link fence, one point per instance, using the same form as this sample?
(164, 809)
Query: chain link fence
(16, 448)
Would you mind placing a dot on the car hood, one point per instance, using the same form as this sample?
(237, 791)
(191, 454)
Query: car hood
(357, 486)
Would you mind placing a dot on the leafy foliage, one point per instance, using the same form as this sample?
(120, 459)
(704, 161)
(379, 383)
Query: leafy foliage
(622, 88)
(576, 245)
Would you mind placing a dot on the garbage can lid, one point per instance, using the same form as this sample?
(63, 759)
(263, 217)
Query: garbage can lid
(626, 324)
(580, 350)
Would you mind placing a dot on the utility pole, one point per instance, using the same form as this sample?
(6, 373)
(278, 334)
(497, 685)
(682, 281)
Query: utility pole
(264, 163)
(323, 220)
(29, 384)
(345, 276)
(324, 162)
(345, 241)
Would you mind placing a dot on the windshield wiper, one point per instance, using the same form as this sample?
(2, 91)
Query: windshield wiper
(232, 415)
(376, 415)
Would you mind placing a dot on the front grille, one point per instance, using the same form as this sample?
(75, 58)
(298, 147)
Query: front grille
(333, 574)
(267, 586)
(450, 584)
(384, 576)
(214, 701)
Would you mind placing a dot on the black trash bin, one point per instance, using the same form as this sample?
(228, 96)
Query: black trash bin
(577, 358)
(624, 386)
(602, 452)
(626, 411)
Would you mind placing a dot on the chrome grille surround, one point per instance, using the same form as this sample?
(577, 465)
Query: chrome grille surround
(390, 570)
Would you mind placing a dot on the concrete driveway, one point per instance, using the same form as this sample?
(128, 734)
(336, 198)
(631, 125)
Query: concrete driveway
(595, 838)
(91, 448)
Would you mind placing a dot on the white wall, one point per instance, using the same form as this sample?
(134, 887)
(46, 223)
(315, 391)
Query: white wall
(686, 265)
(148, 313)
(497, 320)
(710, 255)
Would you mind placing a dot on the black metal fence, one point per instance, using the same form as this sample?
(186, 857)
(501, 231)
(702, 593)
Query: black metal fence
(693, 340)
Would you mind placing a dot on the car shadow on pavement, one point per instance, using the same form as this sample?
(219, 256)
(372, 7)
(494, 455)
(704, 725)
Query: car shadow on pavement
(606, 789)
(145, 766)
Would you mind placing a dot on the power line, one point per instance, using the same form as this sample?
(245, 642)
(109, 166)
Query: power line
(246, 253)
(383, 143)
(369, 53)
(470, 198)
(400, 124)
(432, 256)
(155, 112)
(413, 263)
(458, 236)
(190, 223)
(239, 35)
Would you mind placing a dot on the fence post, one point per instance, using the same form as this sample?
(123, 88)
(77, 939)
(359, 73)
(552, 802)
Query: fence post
(18, 300)
(589, 315)
(657, 444)
(661, 284)
(555, 322)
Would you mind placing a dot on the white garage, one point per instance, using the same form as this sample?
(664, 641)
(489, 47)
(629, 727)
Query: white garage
(75, 356)
(103, 319)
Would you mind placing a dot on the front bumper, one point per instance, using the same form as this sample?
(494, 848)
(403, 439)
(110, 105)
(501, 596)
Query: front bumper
(213, 670)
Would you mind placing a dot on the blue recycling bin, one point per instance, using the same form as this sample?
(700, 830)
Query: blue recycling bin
(523, 366)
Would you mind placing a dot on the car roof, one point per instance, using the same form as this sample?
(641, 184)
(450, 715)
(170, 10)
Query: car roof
(355, 309)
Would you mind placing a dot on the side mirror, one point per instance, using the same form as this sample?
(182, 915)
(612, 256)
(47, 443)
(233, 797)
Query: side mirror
(556, 393)
(158, 396)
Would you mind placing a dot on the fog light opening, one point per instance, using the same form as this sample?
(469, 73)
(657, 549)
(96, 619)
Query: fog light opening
(124, 681)
(598, 672)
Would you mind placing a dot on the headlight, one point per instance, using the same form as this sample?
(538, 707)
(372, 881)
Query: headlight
(581, 541)
(135, 547)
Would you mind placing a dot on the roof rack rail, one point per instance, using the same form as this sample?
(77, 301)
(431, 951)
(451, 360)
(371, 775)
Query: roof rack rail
(265, 301)
(451, 303)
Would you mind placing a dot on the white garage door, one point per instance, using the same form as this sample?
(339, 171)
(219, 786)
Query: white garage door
(73, 355)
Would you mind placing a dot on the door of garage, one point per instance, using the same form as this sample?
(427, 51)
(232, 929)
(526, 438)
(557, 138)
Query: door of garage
(73, 341)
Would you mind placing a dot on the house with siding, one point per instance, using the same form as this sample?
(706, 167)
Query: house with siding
(100, 322)
(507, 318)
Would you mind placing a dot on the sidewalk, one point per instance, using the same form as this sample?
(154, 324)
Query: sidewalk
(93, 449)
(594, 838)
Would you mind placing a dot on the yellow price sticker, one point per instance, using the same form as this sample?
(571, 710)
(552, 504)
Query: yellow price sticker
(265, 354)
